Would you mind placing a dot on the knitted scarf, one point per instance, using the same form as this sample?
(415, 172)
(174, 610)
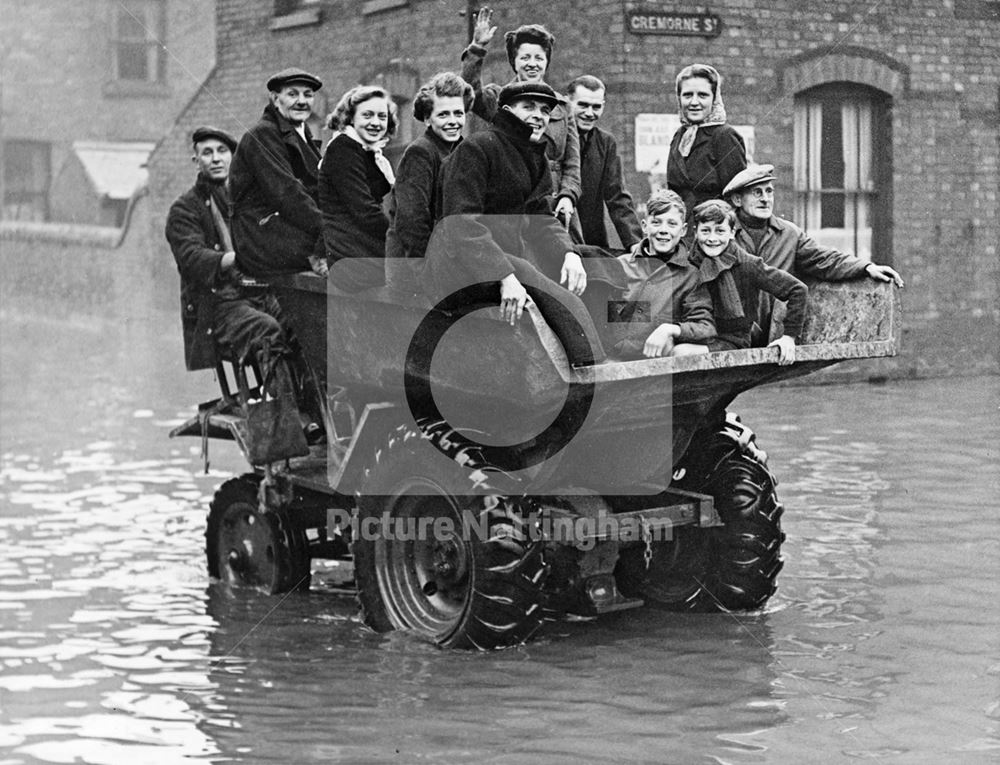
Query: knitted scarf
(727, 303)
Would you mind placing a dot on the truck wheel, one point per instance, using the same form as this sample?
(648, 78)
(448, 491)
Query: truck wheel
(744, 556)
(247, 548)
(460, 569)
(732, 568)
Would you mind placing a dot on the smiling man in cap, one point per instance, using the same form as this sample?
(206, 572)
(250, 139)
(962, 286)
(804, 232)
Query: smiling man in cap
(498, 231)
(782, 244)
(273, 181)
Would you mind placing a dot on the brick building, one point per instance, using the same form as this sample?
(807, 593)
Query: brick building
(881, 118)
(88, 88)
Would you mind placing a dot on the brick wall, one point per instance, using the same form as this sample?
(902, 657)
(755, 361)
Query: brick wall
(938, 65)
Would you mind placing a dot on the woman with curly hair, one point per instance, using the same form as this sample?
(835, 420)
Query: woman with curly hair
(354, 178)
(415, 205)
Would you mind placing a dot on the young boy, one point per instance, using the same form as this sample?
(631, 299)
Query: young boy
(735, 279)
(666, 310)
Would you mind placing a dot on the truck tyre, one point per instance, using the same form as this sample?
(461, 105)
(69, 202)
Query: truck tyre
(248, 548)
(459, 568)
(732, 568)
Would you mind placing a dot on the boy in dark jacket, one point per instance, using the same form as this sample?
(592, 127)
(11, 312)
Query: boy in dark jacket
(735, 280)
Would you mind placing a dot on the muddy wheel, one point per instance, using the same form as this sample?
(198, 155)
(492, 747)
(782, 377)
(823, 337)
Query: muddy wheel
(733, 568)
(460, 569)
(247, 548)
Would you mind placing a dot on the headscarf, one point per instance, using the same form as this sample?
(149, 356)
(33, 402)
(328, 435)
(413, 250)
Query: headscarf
(716, 115)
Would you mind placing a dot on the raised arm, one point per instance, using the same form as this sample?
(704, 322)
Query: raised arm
(485, 104)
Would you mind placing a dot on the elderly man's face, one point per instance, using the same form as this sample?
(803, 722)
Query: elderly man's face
(212, 157)
(756, 201)
(533, 112)
(294, 101)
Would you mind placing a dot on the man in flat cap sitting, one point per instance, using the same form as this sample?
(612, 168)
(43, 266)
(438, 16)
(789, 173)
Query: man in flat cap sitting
(782, 244)
(277, 225)
(498, 231)
(216, 310)
(222, 312)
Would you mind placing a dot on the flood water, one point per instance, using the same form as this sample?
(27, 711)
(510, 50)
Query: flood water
(882, 643)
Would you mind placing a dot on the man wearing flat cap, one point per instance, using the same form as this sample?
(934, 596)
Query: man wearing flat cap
(217, 312)
(782, 244)
(529, 53)
(498, 231)
(276, 219)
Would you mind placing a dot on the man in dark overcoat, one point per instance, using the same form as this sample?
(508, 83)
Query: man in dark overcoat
(276, 220)
(498, 229)
(602, 183)
(216, 310)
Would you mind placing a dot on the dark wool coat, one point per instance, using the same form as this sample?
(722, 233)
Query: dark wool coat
(198, 251)
(562, 143)
(751, 276)
(415, 203)
(716, 156)
(272, 180)
(497, 201)
(351, 188)
(602, 183)
(659, 292)
(786, 246)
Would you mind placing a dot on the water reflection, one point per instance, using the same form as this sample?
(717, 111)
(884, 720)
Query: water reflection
(882, 641)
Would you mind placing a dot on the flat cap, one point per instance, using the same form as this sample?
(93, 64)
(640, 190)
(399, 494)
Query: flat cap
(293, 74)
(205, 132)
(750, 176)
(536, 90)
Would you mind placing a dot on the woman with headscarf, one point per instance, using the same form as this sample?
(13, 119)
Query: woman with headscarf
(354, 177)
(705, 153)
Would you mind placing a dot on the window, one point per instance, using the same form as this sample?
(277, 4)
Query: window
(137, 45)
(26, 176)
(843, 168)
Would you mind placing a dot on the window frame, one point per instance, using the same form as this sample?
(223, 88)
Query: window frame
(869, 196)
(154, 25)
(20, 148)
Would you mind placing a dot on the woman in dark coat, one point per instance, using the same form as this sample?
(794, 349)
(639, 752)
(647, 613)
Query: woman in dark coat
(415, 205)
(705, 153)
(354, 177)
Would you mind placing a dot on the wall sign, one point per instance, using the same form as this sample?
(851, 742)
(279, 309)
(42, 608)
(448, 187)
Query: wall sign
(677, 24)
